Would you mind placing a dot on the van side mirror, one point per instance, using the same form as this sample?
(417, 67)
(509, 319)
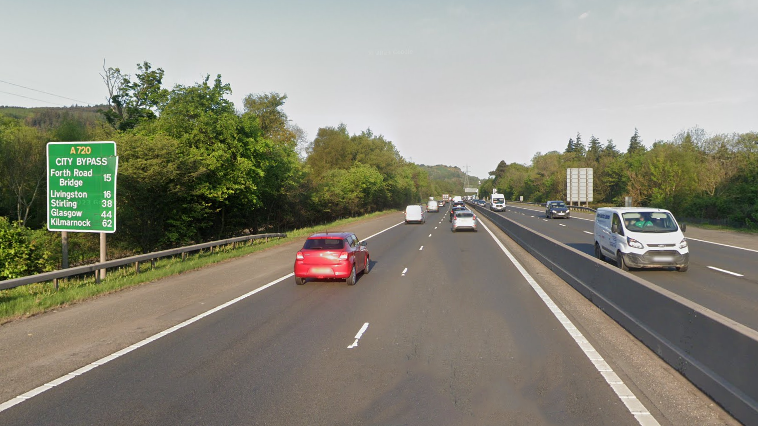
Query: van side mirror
(684, 227)
(615, 228)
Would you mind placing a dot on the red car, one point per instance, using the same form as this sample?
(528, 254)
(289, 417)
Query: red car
(332, 255)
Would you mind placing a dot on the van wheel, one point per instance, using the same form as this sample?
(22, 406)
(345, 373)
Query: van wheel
(599, 252)
(620, 262)
(683, 268)
(351, 279)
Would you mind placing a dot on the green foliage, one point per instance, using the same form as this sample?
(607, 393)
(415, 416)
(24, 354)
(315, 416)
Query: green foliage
(20, 255)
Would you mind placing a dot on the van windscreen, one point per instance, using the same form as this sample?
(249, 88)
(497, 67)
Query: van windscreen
(650, 222)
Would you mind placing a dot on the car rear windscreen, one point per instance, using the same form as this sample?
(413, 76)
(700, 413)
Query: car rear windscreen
(464, 214)
(324, 244)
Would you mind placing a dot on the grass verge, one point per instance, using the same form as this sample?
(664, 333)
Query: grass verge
(36, 298)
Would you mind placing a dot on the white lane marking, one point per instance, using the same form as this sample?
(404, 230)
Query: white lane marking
(545, 220)
(726, 272)
(435, 227)
(560, 224)
(404, 271)
(34, 392)
(384, 230)
(635, 407)
(725, 245)
(588, 232)
(531, 216)
(422, 247)
(358, 336)
(63, 379)
(430, 235)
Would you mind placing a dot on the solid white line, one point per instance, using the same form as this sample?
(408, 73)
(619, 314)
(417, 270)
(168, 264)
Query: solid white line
(358, 336)
(422, 247)
(635, 407)
(34, 392)
(724, 245)
(383, 230)
(726, 272)
(63, 379)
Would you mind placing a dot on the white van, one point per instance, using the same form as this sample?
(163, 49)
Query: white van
(414, 213)
(498, 202)
(640, 237)
(432, 206)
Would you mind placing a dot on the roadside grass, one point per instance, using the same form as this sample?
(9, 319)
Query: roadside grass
(37, 298)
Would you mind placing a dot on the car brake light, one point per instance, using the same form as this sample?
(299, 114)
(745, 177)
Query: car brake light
(299, 256)
(343, 255)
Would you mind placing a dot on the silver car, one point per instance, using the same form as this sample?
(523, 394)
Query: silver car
(463, 219)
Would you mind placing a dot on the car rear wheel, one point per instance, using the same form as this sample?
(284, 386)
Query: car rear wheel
(620, 262)
(299, 280)
(351, 279)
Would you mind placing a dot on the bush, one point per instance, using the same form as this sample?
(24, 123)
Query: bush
(20, 254)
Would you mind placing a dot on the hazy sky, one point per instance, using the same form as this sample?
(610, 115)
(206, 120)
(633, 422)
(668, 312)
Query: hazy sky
(455, 83)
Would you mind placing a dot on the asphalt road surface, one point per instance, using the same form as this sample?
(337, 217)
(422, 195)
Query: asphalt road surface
(447, 329)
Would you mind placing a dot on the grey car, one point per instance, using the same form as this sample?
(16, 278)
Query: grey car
(555, 209)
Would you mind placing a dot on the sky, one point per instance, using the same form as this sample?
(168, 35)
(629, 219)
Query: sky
(464, 84)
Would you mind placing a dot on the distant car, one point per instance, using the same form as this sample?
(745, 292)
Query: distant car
(414, 214)
(555, 209)
(432, 206)
(332, 255)
(463, 219)
(455, 209)
(440, 203)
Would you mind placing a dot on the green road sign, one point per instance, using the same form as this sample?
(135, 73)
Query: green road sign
(81, 186)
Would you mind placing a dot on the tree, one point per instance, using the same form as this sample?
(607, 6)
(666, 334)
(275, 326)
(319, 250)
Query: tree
(635, 144)
(131, 102)
(22, 166)
(594, 150)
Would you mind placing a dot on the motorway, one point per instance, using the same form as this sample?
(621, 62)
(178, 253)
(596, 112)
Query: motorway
(721, 278)
(447, 329)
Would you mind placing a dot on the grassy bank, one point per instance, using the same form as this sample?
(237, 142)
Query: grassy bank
(33, 299)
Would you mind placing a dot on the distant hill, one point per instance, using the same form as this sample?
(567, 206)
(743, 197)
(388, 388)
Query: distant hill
(448, 179)
(52, 117)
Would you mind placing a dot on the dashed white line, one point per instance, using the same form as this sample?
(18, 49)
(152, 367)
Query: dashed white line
(588, 232)
(358, 336)
(430, 235)
(635, 407)
(422, 247)
(435, 227)
(560, 224)
(726, 272)
(404, 271)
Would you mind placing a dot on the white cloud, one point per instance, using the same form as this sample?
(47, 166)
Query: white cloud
(584, 15)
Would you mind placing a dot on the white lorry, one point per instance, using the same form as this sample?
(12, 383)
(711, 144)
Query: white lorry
(640, 237)
(497, 202)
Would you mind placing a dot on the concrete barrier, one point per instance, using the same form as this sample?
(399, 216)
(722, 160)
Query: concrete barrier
(716, 354)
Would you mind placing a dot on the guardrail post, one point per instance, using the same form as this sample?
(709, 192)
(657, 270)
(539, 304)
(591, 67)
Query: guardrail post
(184, 255)
(152, 263)
(97, 276)
(136, 267)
